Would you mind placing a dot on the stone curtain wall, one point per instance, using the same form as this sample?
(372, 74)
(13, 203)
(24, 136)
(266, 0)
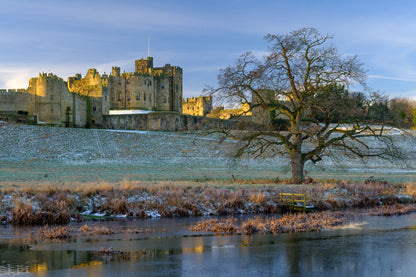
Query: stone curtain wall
(13, 101)
(163, 121)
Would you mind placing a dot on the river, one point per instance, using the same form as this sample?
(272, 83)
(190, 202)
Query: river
(366, 246)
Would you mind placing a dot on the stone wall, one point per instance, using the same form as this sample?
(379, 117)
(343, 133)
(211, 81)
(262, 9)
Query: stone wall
(18, 118)
(163, 121)
(13, 101)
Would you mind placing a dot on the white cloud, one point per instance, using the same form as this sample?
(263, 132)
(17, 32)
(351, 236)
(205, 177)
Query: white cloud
(391, 78)
(12, 78)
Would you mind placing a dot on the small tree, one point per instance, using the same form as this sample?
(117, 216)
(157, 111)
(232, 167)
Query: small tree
(402, 111)
(302, 81)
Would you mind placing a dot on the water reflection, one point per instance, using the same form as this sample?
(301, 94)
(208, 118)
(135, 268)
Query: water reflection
(380, 247)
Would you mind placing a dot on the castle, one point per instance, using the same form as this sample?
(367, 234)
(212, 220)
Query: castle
(153, 94)
(82, 102)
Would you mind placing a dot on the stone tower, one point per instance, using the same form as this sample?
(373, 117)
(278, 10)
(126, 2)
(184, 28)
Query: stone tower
(144, 66)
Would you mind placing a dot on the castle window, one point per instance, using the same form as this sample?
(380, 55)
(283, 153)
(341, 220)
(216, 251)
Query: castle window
(162, 85)
(94, 108)
(51, 97)
(164, 99)
(138, 96)
(144, 97)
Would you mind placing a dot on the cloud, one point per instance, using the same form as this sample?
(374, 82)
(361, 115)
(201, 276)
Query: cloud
(15, 77)
(391, 78)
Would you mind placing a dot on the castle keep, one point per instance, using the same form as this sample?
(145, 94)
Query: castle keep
(82, 102)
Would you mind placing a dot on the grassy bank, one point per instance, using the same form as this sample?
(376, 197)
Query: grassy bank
(49, 203)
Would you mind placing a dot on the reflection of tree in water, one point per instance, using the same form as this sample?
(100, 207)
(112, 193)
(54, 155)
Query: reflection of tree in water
(293, 256)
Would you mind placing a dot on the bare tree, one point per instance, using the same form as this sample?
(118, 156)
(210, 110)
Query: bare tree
(297, 82)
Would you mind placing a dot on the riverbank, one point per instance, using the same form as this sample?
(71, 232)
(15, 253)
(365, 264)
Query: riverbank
(48, 203)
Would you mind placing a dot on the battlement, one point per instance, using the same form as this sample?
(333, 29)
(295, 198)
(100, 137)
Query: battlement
(197, 99)
(49, 76)
(13, 91)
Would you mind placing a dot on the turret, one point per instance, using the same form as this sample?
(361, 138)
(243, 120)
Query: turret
(115, 71)
(144, 66)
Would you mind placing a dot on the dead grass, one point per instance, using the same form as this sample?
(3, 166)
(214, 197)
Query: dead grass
(396, 209)
(55, 232)
(287, 223)
(223, 226)
(65, 232)
(409, 189)
(56, 203)
(23, 214)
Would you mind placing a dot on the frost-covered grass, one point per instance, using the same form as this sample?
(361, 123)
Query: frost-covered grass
(42, 154)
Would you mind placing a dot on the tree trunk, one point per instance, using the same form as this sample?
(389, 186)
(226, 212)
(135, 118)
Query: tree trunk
(296, 159)
(297, 167)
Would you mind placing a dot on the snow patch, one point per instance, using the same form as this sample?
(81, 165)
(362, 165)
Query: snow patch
(121, 112)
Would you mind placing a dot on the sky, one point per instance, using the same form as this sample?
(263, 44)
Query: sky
(69, 37)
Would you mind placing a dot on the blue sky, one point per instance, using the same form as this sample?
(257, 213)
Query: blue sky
(68, 37)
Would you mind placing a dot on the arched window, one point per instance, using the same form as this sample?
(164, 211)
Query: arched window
(164, 99)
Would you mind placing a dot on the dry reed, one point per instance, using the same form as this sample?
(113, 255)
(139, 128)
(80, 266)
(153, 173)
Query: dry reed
(395, 209)
(287, 223)
(51, 204)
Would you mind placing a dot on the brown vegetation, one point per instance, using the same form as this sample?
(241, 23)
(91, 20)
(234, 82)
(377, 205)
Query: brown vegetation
(287, 223)
(23, 214)
(64, 232)
(395, 209)
(52, 204)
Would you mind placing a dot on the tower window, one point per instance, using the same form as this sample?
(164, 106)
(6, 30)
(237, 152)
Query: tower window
(162, 85)
(138, 96)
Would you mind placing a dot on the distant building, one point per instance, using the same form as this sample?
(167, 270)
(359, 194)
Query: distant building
(198, 106)
(241, 113)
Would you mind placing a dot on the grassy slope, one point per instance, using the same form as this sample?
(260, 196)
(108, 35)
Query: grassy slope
(36, 154)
